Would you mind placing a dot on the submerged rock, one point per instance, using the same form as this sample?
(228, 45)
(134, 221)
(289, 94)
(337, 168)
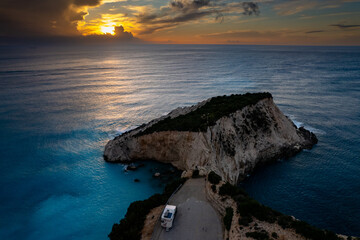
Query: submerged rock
(131, 167)
(230, 140)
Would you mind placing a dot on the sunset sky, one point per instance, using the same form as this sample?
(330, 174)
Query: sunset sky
(299, 22)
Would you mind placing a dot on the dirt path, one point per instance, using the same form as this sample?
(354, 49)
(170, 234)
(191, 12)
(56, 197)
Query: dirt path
(196, 218)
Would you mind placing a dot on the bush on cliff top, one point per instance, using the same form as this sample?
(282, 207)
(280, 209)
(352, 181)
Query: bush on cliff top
(130, 227)
(214, 178)
(228, 218)
(207, 115)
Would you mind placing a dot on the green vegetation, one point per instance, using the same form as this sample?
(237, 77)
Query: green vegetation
(207, 115)
(230, 190)
(228, 218)
(213, 188)
(214, 178)
(130, 227)
(195, 173)
(263, 235)
(274, 235)
(311, 232)
(249, 208)
(245, 221)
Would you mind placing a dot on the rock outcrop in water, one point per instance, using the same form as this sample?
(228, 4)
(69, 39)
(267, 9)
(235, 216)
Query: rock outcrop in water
(230, 135)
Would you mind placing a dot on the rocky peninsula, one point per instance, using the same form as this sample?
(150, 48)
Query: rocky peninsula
(230, 135)
(216, 142)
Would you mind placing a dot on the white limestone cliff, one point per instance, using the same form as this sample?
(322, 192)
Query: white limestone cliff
(232, 148)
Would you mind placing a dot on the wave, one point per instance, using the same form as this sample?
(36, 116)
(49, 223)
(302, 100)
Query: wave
(308, 127)
(120, 131)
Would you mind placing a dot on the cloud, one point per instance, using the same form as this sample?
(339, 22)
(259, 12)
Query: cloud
(345, 26)
(122, 34)
(42, 17)
(315, 31)
(293, 7)
(183, 11)
(250, 8)
(286, 8)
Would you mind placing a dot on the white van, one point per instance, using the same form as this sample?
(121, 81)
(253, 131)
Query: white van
(167, 217)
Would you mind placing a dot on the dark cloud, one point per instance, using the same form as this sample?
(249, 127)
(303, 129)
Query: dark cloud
(189, 5)
(181, 11)
(42, 17)
(250, 8)
(345, 26)
(316, 31)
(122, 34)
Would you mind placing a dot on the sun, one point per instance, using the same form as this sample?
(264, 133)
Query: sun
(107, 30)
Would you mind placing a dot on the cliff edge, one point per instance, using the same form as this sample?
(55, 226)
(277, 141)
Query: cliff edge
(230, 135)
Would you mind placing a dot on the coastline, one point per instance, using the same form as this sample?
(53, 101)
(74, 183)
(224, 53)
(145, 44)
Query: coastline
(222, 147)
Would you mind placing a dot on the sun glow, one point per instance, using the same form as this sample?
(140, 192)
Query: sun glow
(107, 30)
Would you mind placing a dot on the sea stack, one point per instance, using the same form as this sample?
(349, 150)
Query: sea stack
(230, 135)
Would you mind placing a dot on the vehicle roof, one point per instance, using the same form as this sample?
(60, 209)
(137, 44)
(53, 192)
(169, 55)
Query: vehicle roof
(170, 207)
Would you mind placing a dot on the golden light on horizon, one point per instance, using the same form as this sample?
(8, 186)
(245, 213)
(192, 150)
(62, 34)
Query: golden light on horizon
(107, 30)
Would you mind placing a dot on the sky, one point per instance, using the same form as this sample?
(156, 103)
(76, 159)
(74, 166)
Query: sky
(280, 22)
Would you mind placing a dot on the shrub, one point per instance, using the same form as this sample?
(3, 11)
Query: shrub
(213, 188)
(263, 235)
(195, 173)
(172, 186)
(250, 207)
(214, 178)
(228, 189)
(228, 218)
(245, 221)
(285, 221)
(274, 235)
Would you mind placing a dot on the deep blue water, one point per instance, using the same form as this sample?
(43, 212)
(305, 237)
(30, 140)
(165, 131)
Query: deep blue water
(59, 107)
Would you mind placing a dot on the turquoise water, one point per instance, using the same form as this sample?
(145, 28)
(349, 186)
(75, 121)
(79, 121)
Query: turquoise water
(59, 106)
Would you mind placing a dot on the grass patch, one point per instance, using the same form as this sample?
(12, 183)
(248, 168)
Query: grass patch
(207, 115)
(131, 225)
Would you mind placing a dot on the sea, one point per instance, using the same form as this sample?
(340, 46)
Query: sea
(59, 105)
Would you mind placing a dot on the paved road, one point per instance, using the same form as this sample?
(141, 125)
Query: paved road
(195, 219)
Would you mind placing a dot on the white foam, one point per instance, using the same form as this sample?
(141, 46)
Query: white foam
(307, 127)
(120, 131)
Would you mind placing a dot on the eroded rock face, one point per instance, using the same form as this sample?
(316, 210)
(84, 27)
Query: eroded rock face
(233, 147)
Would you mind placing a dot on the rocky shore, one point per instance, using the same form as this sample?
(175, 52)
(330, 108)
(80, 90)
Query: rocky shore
(230, 135)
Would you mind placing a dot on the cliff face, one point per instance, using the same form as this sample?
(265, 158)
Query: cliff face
(232, 147)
